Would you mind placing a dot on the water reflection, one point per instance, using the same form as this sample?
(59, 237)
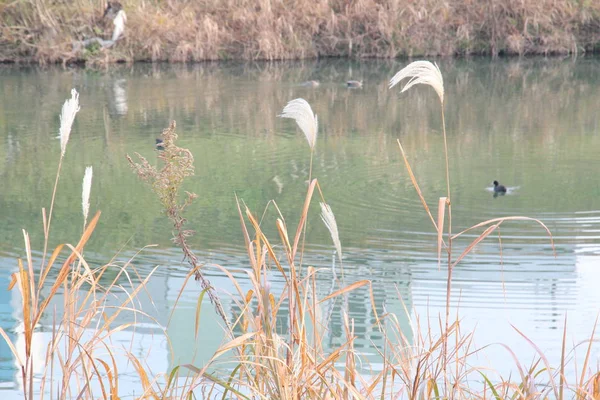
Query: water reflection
(117, 101)
(531, 123)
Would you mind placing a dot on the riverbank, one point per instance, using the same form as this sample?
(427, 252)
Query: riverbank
(180, 31)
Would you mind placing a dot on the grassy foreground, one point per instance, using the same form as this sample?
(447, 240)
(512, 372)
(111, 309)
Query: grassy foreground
(178, 30)
(432, 362)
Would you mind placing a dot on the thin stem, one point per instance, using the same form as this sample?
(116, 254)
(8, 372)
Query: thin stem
(446, 153)
(294, 276)
(47, 227)
(306, 223)
(449, 202)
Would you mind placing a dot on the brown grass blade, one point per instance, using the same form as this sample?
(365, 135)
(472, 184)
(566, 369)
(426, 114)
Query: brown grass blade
(513, 218)
(51, 261)
(198, 309)
(30, 270)
(262, 236)
(23, 284)
(13, 281)
(562, 361)
(237, 342)
(11, 346)
(187, 278)
(284, 236)
(62, 275)
(416, 185)
(303, 216)
(474, 243)
(544, 359)
(596, 386)
(245, 233)
(587, 354)
(111, 379)
(346, 289)
(440, 228)
(143, 378)
(114, 387)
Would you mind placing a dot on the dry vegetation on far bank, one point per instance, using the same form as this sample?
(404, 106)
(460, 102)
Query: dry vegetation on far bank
(180, 30)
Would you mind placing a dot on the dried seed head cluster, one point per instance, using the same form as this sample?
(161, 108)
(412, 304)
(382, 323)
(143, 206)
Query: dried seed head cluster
(178, 163)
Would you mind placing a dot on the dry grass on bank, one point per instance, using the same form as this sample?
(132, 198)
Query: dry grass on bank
(178, 30)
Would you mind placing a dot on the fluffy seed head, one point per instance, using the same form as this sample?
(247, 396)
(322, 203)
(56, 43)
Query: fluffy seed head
(85, 193)
(329, 221)
(421, 72)
(299, 110)
(67, 116)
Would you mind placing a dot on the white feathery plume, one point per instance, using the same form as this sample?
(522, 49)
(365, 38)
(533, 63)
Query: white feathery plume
(299, 110)
(329, 221)
(85, 193)
(119, 23)
(67, 116)
(421, 72)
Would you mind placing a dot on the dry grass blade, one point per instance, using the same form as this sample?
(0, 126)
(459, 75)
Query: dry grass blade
(303, 216)
(281, 228)
(329, 221)
(64, 271)
(544, 359)
(440, 228)
(474, 243)
(588, 353)
(420, 72)
(12, 347)
(237, 342)
(513, 218)
(24, 288)
(245, 233)
(148, 391)
(51, 261)
(416, 185)
(300, 111)
(346, 289)
(263, 237)
(111, 378)
(596, 386)
(562, 361)
(198, 309)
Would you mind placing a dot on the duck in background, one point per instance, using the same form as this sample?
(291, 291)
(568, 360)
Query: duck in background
(312, 84)
(354, 84)
(499, 189)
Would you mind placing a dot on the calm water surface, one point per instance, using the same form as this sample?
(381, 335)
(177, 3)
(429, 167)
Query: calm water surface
(531, 124)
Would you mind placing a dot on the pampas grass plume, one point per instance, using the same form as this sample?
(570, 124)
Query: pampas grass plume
(300, 111)
(85, 193)
(421, 72)
(67, 116)
(329, 221)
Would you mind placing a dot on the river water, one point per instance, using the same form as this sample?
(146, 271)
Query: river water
(532, 124)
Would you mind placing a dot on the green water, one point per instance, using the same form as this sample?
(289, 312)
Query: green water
(531, 124)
